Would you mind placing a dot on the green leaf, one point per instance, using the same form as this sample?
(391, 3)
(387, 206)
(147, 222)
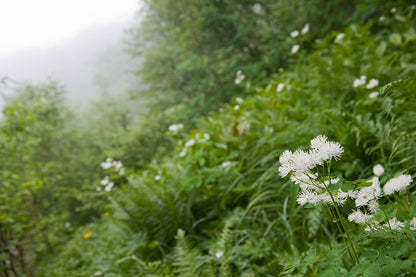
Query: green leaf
(347, 186)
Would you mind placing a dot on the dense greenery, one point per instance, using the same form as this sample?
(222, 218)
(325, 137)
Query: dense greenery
(207, 200)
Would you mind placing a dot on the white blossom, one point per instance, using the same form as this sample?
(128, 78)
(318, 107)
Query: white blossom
(359, 217)
(239, 77)
(105, 181)
(360, 82)
(175, 127)
(67, 224)
(374, 94)
(280, 87)
(225, 164)
(109, 186)
(394, 224)
(413, 224)
(236, 107)
(206, 136)
(190, 143)
(294, 33)
(219, 254)
(372, 84)
(393, 10)
(305, 29)
(295, 49)
(378, 170)
(397, 184)
(339, 37)
(239, 100)
(373, 206)
(157, 177)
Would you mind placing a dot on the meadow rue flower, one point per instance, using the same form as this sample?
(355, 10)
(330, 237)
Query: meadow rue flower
(281, 69)
(98, 188)
(372, 84)
(306, 197)
(413, 224)
(394, 224)
(107, 164)
(378, 170)
(109, 186)
(239, 100)
(360, 82)
(182, 153)
(225, 164)
(219, 254)
(374, 94)
(190, 143)
(397, 184)
(393, 10)
(339, 37)
(280, 87)
(67, 224)
(98, 273)
(359, 217)
(295, 49)
(373, 206)
(294, 34)
(206, 136)
(236, 107)
(239, 77)
(157, 177)
(175, 127)
(305, 29)
(105, 181)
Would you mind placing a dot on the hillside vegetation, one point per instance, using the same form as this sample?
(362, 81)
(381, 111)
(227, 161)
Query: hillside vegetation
(199, 182)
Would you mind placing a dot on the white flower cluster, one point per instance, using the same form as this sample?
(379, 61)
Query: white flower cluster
(280, 87)
(397, 184)
(363, 79)
(295, 49)
(299, 165)
(339, 37)
(321, 190)
(106, 183)
(110, 163)
(304, 30)
(175, 127)
(239, 77)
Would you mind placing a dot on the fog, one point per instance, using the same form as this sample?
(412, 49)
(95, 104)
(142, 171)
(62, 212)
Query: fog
(90, 64)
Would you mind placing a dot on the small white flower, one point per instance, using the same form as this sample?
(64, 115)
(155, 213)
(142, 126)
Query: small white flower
(374, 94)
(236, 107)
(397, 184)
(67, 224)
(190, 143)
(175, 127)
(109, 186)
(308, 197)
(339, 37)
(225, 164)
(381, 18)
(239, 100)
(393, 10)
(372, 84)
(394, 224)
(280, 87)
(206, 136)
(295, 49)
(360, 82)
(359, 217)
(219, 254)
(378, 170)
(239, 77)
(157, 177)
(105, 181)
(98, 273)
(182, 153)
(413, 224)
(305, 29)
(117, 165)
(281, 70)
(98, 189)
(373, 206)
(294, 34)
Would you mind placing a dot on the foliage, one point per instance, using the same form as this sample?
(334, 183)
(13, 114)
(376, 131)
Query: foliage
(215, 204)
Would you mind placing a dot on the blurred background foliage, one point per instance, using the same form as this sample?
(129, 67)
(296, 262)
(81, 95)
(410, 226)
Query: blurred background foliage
(206, 200)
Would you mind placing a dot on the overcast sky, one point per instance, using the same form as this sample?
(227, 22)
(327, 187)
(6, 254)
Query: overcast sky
(45, 23)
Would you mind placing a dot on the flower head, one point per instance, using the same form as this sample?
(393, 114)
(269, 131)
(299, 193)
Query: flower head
(305, 29)
(374, 94)
(413, 224)
(294, 34)
(339, 37)
(359, 217)
(378, 170)
(394, 224)
(372, 84)
(280, 87)
(295, 49)
(397, 184)
(360, 82)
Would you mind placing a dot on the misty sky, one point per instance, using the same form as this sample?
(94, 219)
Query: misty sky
(27, 24)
